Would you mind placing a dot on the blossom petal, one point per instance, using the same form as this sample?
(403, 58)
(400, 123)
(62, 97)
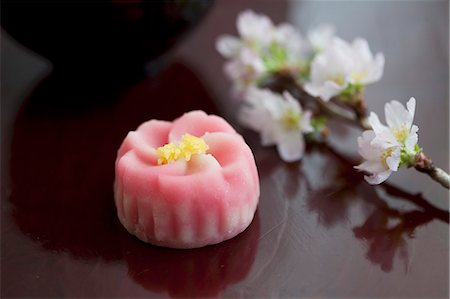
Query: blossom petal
(255, 114)
(372, 166)
(326, 91)
(265, 112)
(255, 26)
(364, 68)
(321, 36)
(331, 89)
(290, 39)
(233, 69)
(365, 149)
(270, 133)
(253, 118)
(293, 103)
(245, 68)
(393, 161)
(361, 50)
(250, 58)
(274, 103)
(291, 146)
(385, 139)
(305, 122)
(412, 138)
(330, 70)
(375, 123)
(396, 115)
(228, 45)
(411, 106)
(378, 178)
(375, 70)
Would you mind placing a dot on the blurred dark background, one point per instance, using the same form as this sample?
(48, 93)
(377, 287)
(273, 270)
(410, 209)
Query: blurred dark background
(77, 76)
(110, 38)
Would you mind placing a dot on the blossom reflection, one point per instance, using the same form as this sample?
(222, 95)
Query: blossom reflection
(386, 231)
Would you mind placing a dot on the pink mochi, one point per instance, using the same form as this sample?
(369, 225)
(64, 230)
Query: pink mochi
(209, 199)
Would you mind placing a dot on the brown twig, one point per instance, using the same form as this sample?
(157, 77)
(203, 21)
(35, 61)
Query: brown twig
(280, 82)
(335, 111)
(424, 164)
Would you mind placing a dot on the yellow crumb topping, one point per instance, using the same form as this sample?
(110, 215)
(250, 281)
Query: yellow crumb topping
(188, 146)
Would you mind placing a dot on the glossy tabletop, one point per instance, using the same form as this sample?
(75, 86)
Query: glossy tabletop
(320, 230)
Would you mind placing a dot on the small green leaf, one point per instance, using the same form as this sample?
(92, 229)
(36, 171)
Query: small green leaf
(275, 57)
(417, 148)
(407, 157)
(305, 70)
(319, 122)
(351, 90)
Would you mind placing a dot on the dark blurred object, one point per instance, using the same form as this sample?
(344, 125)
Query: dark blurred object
(110, 38)
(61, 180)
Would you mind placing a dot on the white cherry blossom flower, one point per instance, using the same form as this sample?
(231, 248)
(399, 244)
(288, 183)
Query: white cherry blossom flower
(279, 119)
(292, 41)
(381, 158)
(277, 47)
(329, 71)
(255, 31)
(287, 51)
(385, 148)
(321, 36)
(366, 68)
(400, 130)
(229, 46)
(342, 64)
(245, 69)
(255, 28)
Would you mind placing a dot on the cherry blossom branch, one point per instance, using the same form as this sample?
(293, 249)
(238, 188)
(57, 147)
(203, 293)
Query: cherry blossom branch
(416, 198)
(424, 164)
(280, 82)
(327, 76)
(332, 110)
(421, 163)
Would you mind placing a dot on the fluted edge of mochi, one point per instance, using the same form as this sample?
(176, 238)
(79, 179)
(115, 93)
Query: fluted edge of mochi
(192, 204)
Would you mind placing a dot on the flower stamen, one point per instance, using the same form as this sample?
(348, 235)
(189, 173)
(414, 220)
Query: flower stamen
(386, 154)
(290, 120)
(188, 146)
(339, 79)
(400, 133)
(358, 76)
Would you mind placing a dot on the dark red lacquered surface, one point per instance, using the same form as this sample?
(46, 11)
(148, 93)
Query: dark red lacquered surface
(320, 230)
